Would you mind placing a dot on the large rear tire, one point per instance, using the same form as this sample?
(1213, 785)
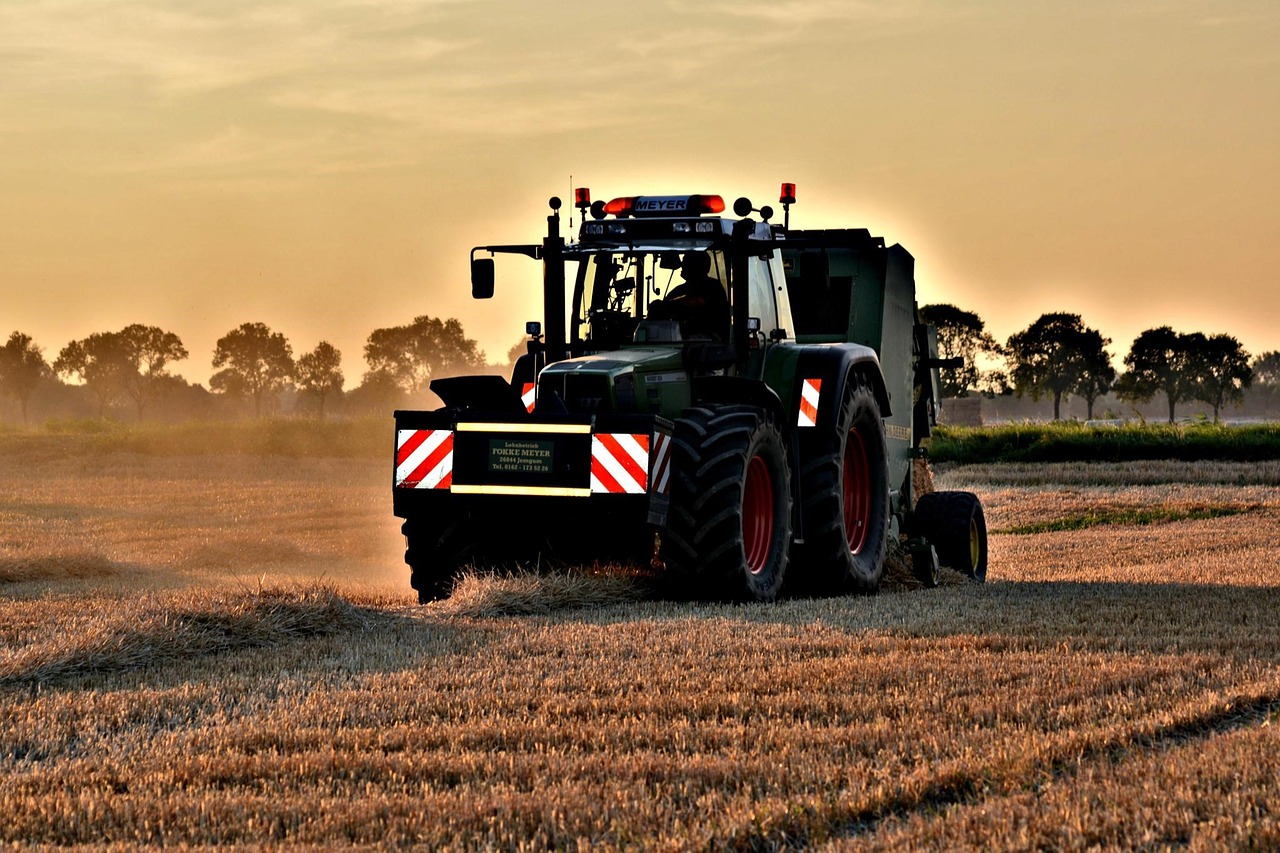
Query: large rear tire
(434, 553)
(954, 523)
(845, 500)
(729, 525)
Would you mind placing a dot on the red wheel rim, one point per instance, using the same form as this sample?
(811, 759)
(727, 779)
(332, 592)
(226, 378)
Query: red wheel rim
(757, 515)
(857, 491)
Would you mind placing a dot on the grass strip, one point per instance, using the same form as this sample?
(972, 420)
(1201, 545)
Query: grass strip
(1075, 442)
(370, 437)
(1134, 516)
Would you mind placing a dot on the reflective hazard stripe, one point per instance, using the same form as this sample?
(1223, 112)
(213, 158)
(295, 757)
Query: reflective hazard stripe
(810, 392)
(619, 463)
(529, 395)
(424, 458)
(660, 474)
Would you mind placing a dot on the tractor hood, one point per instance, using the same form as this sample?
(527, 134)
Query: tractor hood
(640, 359)
(640, 380)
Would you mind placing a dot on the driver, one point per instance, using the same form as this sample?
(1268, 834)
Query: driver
(698, 302)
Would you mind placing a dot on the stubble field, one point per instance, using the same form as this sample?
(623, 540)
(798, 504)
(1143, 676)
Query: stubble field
(223, 650)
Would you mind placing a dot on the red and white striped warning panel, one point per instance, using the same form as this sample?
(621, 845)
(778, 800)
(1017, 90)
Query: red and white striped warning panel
(660, 474)
(619, 463)
(529, 395)
(810, 393)
(424, 458)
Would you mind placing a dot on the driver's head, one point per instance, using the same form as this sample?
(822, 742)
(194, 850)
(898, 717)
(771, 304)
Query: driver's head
(695, 265)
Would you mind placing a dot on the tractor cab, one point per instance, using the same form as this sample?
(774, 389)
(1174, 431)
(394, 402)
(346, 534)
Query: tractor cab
(660, 270)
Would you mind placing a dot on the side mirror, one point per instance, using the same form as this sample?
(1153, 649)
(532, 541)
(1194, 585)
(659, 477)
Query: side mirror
(482, 278)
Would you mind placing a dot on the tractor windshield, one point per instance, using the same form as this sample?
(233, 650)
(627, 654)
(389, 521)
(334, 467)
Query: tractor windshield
(614, 291)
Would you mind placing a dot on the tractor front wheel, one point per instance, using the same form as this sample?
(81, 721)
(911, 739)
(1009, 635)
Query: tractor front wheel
(729, 525)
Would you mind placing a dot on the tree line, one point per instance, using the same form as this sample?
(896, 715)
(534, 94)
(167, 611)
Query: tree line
(254, 367)
(1058, 356)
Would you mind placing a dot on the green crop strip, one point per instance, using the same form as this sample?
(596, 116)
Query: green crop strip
(1096, 518)
(1073, 442)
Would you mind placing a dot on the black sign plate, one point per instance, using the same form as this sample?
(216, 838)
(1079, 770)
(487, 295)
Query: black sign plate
(521, 455)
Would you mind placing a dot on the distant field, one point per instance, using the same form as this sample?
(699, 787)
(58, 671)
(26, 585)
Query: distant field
(222, 649)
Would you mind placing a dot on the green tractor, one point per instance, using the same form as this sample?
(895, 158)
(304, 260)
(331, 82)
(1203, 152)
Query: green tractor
(753, 400)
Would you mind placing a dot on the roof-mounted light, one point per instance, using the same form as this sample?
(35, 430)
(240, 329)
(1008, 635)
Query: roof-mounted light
(620, 206)
(581, 198)
(665, 205)
(786, 198)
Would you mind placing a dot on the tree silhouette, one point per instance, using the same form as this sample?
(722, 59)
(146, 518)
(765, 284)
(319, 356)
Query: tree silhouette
(101, 362)
(22, 369)
(428, 347)
(319, 372)
(148, 349)
(376, 393)
(130, 362)
(257, 362)
(1159, 361)
(1266, 368)
(1057, 355)
(1096, 375)
(517, 351)
(961, 334)
(1221, 371)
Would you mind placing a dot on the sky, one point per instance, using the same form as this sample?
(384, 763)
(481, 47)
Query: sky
(325, 166)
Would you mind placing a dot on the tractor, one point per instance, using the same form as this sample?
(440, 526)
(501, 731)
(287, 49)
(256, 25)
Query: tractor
(745, 405)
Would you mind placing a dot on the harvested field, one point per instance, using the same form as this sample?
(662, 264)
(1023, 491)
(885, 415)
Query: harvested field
(224, 651)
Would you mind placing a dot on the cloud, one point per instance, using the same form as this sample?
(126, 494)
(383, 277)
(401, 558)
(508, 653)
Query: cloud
(195, 49)
(799, 13)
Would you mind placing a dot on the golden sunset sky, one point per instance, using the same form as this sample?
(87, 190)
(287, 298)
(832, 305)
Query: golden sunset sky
(325, 166)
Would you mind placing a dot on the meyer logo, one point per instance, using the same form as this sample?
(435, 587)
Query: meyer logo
(662, 204)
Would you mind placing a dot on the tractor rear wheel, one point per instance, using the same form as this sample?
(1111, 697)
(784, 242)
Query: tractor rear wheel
(954, 523)
(729, 525)
(845, 493)
(434, 553)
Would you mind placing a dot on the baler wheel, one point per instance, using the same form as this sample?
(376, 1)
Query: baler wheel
(956, 526)
(729, 525)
